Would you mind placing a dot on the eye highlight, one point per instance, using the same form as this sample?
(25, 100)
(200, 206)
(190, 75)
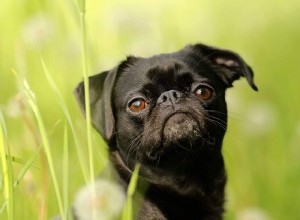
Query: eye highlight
(137, 105)
(204, 92)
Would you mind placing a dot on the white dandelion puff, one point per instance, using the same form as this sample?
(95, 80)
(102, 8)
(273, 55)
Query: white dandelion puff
(102, 199)
(253, 214)
(37, 30)
(262, 118)
(15, 106)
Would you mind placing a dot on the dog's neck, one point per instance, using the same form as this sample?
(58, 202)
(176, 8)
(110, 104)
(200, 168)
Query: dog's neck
(199, 176)
(185, 189)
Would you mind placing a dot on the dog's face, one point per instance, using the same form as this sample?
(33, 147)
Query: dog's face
(165, 108)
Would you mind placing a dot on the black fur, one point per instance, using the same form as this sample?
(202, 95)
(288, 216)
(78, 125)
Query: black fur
(177, 138)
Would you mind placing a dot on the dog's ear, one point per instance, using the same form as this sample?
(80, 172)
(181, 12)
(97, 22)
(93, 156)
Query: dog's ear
(100, 87)
(229, 65)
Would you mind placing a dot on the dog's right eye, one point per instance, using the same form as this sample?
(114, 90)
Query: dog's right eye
(137, 105)
(204, 92)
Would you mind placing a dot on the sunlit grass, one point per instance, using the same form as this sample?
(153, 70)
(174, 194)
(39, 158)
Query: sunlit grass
(65, 183)
(86, 89)
(63, 105)
(128, 209)
(7, 172)
(63, 195)
(27, 165)
(44, 135)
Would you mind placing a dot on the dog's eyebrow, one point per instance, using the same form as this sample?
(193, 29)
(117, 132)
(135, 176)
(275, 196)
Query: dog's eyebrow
(163, 71)
(185, 78)
(154, 74)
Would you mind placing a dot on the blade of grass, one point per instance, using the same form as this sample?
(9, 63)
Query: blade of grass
(26, 167)
(127, 212)
(64, 107)
(4, 131)
(20, 161)
(29, 123)
(80, 5)
(2, 208)
(33, 104)
(82, 11)
(2, 122)
(6, 172)
(86, 91)
(87, 96)
(66, 172)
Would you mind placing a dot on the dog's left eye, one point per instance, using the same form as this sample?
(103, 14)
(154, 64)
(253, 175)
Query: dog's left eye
(137, 105)
(204, 92)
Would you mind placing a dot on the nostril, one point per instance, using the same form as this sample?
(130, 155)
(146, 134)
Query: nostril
(175, 95)
(169, 97)
(164, 98)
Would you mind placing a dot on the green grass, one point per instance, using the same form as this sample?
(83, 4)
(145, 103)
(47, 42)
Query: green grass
(7, 172)
(45, 141)
(48, 150)
(127, 213)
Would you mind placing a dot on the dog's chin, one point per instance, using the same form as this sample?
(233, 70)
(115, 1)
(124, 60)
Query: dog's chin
(180, 126)
(179, 132)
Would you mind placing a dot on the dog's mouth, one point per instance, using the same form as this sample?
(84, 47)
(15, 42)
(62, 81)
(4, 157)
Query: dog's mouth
(180, 131)
(180, 126)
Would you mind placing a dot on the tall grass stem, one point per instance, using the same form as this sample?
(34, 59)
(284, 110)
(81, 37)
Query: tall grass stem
(127, 212)
(87, 94)
(63, 105)
(66, 172)
(33, 104)
(82, 13)
(7, 171)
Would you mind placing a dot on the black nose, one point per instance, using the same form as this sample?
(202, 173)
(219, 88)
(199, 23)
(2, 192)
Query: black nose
(169, 97)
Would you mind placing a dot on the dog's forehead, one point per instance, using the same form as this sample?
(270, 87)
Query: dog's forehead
(161, 72)
(158, 68)
(162, 66)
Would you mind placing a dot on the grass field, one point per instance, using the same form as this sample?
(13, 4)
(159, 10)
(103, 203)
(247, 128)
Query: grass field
(46, 150)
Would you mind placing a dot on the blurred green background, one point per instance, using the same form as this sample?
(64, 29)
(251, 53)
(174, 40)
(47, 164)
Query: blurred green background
(262, 146)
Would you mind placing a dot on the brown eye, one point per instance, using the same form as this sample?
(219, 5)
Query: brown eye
(204, 93)
(137, 105)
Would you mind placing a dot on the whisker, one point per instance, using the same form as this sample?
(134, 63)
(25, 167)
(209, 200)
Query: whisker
(182, 147)
(134, 146)
(218, 123)
(215, 111)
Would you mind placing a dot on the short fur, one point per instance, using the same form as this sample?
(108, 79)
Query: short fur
(177, 138)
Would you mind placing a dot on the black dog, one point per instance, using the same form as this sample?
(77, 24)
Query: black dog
(168, 113)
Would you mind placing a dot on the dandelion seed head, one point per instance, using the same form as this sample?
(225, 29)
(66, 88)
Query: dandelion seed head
(102, 199)
(253, 214)
(262, 118)
(37, 30)
(15, 106)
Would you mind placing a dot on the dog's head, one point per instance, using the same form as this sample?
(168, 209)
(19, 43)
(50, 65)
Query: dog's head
(165, 106)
